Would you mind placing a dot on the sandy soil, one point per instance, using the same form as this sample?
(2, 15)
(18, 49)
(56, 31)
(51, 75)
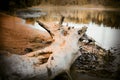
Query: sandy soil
(16, 36)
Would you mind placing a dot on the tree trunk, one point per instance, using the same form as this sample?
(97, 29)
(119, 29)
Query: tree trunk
(46, 63)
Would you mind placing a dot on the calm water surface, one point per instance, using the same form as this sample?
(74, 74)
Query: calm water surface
(103, 26)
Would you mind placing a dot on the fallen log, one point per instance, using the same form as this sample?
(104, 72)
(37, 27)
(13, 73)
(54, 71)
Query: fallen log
(46, 63)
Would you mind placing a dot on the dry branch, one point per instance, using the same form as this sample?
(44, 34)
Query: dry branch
(46, 63)
(61, 20)
(45, 27)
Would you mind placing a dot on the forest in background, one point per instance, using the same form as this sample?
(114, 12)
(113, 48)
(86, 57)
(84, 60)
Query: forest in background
(15, 4)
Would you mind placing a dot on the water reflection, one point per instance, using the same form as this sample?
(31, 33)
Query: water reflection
(103, 26)
(107, 18)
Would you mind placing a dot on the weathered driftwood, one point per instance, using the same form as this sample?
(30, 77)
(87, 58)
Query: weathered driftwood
(46, 63)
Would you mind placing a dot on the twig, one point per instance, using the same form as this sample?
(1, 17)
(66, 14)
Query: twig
(45, 27)
(61, 20)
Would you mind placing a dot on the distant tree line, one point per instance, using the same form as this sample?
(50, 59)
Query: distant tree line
(112, 3)
(14, 4)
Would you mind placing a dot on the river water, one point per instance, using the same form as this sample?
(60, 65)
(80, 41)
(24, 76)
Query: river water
(103, 25)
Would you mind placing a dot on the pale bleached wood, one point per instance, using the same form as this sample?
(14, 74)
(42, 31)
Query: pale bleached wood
(64, 49)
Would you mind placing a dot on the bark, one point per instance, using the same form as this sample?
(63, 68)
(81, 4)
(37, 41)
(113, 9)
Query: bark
(46, 63)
